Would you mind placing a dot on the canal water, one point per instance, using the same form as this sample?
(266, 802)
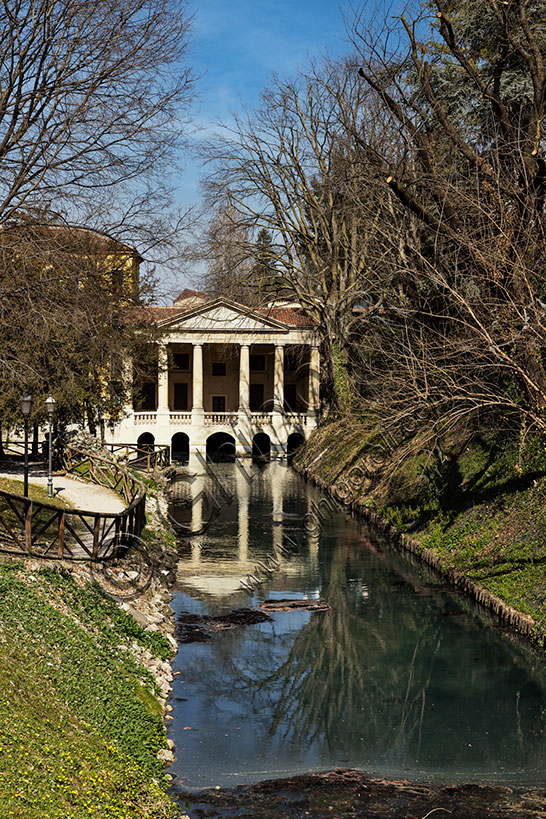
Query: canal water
(402, 677)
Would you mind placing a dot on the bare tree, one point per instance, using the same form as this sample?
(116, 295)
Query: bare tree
(461, 337)
(92, 98)
(293, 168)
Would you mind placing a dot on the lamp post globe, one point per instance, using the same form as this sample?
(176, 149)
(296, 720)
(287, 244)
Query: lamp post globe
(26, 408)
(26, 405)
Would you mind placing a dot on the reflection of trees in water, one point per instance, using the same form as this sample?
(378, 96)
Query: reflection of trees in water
(338, 689)
(373, 677)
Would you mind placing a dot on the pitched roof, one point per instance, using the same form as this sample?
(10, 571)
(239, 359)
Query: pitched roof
(191, 294)
(292, 318)
(296, 318)
(81, 237)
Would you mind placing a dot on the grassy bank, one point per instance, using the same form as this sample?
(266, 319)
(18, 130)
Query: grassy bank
(80, 722)
(484, 515)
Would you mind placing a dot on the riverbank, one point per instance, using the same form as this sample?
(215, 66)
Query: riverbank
(488, 539)
(84, 681)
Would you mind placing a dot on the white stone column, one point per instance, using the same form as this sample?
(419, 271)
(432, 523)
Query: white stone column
(162, 379)
(197, 379)
(314, 380)
(244, 378)
(278, 382)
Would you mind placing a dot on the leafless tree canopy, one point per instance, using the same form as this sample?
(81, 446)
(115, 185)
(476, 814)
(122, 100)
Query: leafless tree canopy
(92, 98)
(405, 192)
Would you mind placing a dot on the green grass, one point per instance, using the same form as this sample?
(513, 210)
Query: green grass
(80, 724)
(493, 528)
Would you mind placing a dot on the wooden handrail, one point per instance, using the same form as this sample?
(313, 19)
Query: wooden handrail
(31, 528)
(152, 456)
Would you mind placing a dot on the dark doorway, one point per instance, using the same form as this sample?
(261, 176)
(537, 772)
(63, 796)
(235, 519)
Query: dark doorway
(256, 397)
(295, 441)
(146, 441)
(180, 397)
(221, 448)
(218, 403)
(261, 447)
(180, 448)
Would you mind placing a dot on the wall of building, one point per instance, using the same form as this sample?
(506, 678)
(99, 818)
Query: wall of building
(228, 384)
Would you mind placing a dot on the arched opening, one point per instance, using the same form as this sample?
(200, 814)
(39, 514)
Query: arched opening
(146, 441)
(261, 447)
(221, 448)
(180, 448)
(294, 442)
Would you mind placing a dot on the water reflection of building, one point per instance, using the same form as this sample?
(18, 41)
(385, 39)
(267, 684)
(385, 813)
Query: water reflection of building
(239, 524)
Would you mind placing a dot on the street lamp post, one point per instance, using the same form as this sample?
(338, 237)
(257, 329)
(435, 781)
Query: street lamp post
(26, 409)
(50, 406)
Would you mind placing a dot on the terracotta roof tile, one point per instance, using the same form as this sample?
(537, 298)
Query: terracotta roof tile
(291, 317)
(294, 317)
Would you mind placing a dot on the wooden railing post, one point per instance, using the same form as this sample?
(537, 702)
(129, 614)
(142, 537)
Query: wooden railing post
(61, 533)
(96, 531)
(28, 526)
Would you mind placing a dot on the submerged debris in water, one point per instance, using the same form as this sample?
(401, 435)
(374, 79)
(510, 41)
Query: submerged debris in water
(198, 628)
(351, 794)
(295, 605)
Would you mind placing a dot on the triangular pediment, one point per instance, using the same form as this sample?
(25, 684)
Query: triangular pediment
(222, 316)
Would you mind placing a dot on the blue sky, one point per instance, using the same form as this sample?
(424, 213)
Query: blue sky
(240, 43)
(236, 46)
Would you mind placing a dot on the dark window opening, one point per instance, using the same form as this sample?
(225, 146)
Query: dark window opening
(147, 397)
(181, 361)
(256, 397)
(117, 281)
(257, 363)
(218, 367)
(180, 397)
(218, 403)
(290, 398)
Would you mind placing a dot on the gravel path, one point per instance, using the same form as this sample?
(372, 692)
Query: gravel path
(82, 495)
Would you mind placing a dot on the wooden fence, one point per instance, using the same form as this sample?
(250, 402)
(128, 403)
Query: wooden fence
(33, 529)
(146, 458)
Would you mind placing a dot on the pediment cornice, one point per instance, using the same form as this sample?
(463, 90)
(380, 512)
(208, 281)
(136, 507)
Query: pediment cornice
(222, 315)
